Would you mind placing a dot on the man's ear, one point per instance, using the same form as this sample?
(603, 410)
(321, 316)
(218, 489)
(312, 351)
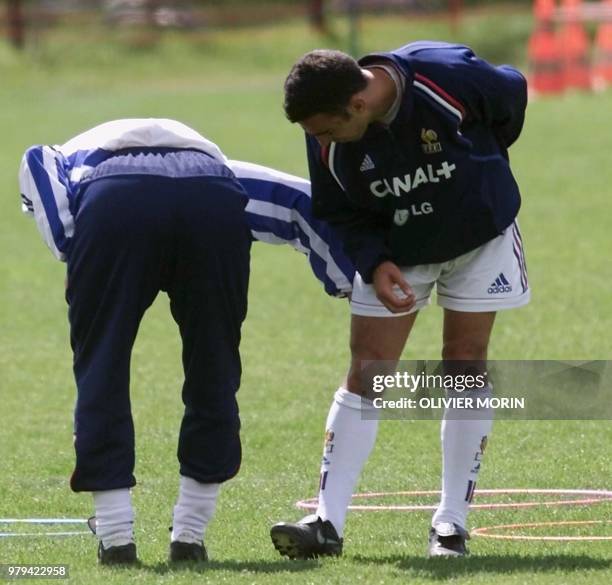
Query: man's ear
(357, 104)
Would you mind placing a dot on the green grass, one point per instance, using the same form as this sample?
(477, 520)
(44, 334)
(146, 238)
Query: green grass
(295, 338)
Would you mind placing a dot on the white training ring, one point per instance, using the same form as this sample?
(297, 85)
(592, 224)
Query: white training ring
(46, 522)
(567, 497)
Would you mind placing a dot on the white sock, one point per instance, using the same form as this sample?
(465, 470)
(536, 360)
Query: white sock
(114, 517)
(463, 444)
(194, 508)
(348, 442)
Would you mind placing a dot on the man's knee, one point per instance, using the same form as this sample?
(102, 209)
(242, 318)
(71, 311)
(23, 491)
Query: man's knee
(376, 345)
(366, 348)
(367, 360)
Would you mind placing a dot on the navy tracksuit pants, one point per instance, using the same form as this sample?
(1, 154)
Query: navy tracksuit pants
(136, 233)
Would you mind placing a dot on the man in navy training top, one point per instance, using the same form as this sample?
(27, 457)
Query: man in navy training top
(408, 160)
(138, 206)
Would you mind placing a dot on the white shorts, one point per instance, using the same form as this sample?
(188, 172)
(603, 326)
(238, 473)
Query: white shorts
(489, 278)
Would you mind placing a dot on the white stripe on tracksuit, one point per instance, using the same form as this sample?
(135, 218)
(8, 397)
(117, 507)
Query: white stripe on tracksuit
(275, 197)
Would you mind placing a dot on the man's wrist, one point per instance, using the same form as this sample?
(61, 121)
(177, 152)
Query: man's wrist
(368, 275)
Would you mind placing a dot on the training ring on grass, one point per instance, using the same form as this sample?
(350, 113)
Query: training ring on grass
(44, 522)
(567, 497)
(485, 531)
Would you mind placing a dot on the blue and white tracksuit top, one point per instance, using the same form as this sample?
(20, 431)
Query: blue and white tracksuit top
(278, 211)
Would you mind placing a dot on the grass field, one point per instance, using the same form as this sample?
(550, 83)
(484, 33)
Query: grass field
(295, 338)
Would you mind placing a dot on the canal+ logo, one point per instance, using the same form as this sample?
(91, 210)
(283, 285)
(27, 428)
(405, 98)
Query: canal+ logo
(397, 186)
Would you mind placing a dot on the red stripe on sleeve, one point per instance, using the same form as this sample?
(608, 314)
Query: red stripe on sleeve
(434, 87)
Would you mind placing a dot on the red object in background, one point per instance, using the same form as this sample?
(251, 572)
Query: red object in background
(572, 6)
(544, 52)
(576, 48)
(543, 10)
(602, 68)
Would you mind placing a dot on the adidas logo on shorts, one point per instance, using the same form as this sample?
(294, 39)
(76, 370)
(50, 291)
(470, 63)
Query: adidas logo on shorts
(500, 285)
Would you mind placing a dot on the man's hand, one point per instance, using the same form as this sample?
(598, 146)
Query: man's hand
(387, 279)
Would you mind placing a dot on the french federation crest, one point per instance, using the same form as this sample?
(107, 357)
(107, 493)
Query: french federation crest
(430, 141)
(401, 216)
(328, 445)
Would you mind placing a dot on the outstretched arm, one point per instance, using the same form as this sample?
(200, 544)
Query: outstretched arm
(280, 212)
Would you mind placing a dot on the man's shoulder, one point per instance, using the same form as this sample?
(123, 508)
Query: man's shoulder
(414, 56)
(428, 47)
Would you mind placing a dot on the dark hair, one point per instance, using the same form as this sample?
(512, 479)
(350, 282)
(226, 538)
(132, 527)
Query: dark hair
(322, 82)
